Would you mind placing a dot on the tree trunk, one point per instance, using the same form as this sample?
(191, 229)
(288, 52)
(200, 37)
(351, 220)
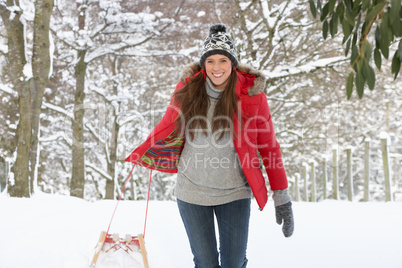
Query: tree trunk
(19, 186)
(110, 184)
(40, 71)
(78, 170)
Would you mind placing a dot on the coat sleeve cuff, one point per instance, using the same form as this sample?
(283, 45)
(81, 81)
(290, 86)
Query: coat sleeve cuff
(281, 197)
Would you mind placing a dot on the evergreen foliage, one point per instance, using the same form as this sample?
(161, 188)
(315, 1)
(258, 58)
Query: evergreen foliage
(369, 28)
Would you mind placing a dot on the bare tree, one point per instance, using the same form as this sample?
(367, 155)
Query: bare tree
(102, 30)
(29, 88)
(78, 151)
(41, 64)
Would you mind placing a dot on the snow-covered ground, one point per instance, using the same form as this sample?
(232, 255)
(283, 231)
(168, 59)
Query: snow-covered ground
(59, 231)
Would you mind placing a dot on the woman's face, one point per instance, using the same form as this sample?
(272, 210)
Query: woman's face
(218, 68)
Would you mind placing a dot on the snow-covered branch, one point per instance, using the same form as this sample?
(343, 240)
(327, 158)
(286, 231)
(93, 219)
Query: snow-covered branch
(56, 137)
(98, 170)
(286, 71)
(7, 89)
(58, 109)
(63, 40)
(93, 132)
(116, 48)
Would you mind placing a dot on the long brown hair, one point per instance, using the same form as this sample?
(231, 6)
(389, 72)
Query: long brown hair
(193, 101)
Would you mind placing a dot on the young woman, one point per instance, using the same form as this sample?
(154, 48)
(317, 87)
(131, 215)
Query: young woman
(217, 121)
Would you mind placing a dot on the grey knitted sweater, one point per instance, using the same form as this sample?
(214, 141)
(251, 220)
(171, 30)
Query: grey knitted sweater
(209, 171)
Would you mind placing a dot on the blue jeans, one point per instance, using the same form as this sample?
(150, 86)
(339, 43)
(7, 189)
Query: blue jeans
(233, 223)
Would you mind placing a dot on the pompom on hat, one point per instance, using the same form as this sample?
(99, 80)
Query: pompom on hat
(219, 42)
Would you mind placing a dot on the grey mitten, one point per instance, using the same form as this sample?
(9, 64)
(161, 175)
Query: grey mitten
(284, 212)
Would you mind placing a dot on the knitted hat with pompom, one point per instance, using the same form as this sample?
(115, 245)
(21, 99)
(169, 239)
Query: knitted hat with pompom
(219, 42)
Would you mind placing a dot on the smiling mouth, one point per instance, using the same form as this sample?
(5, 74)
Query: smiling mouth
(218, 75)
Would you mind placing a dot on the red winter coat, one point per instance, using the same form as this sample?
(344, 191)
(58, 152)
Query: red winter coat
(161, 150)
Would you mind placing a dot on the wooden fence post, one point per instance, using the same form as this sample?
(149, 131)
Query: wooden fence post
(335, 186)
(296, 188)
(324, 178)
(305, 182)
(385, 158)
(312, 177)
(349, 175)
(291, 190)
(366, 197)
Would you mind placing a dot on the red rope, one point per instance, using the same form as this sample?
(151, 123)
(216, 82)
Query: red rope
(146, 210)
(121, 194)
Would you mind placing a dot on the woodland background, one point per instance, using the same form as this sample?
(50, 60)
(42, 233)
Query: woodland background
(85, 81)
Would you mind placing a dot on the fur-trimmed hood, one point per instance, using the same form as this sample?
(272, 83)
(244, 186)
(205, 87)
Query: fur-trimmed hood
(259, 81)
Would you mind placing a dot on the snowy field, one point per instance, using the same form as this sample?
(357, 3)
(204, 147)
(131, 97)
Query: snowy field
(58, 231)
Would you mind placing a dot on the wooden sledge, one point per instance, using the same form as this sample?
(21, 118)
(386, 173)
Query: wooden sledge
(129, 242)
(117, 243)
